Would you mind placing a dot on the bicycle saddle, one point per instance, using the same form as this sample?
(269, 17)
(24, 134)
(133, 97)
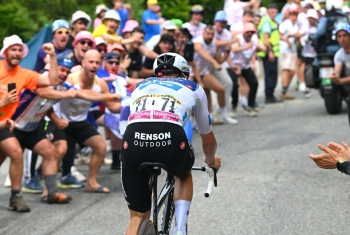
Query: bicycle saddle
(149, 166)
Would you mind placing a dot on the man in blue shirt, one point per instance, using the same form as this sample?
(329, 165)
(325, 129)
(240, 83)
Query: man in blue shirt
(60, 33)
(125, 13)
(150, 20)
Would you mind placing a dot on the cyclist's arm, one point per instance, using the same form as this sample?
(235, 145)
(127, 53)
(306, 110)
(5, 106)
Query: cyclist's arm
(198, 47)
(344, 166)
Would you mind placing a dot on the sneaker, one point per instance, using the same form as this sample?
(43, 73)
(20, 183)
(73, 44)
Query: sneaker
(32, 185)
(17, 204)
(109, 146)
(108, 161)
(7, 182)
(307, 94)
(115, 168)
(286, 96)
(233, 112)
(79, 176)
(58, 198)
(216, 120)
(257, 107)
(250, 112)
(229, 120)
(272, 100)
(38, 175)
(81, 159)
(70, 181)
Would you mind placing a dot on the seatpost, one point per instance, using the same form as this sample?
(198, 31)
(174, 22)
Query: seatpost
(157, 171)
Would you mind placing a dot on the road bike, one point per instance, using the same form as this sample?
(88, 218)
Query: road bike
(165, 197)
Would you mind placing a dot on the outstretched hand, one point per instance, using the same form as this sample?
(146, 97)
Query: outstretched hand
(332, 154)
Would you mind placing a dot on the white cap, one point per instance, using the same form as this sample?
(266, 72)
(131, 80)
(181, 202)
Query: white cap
(99, 8)
(100, 40)
(14, 40)
(312, 13)
(169, 25)
(80, 15)
(262, 11)
(346, 9)
(111, 14)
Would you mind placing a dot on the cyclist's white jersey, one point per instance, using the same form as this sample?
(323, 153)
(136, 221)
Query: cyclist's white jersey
(31, 109)
(202, 64)
(76, 110)
(243, 58)
(170, 100)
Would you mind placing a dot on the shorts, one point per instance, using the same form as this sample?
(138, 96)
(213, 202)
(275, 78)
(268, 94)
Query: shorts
(288, 61)
(152, 142)
(308, 60)
(5, 134)
(80, 131)
(28, 139)
(53, 133)
(97, 114)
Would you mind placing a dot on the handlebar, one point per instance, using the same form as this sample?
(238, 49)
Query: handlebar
(212, 178)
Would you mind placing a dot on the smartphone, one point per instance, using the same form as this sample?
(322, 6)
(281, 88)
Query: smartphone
(189, 51)
(11, 86)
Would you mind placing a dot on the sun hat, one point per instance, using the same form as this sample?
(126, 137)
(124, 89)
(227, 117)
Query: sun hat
(84, 35)
(59, 24)
(130, 25)
(99, 8)
(14, 40)
(80, 15)
(111, 14)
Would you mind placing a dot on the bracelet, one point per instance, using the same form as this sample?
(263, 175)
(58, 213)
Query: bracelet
(109, 99)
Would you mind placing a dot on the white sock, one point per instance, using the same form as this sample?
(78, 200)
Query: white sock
(182, 209)
(28, 163)
(244, 100)
(223, 111)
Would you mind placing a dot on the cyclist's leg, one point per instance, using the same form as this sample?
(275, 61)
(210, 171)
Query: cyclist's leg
(136, 219)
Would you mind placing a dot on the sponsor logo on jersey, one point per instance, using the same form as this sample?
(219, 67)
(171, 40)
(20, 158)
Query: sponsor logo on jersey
(153, 140)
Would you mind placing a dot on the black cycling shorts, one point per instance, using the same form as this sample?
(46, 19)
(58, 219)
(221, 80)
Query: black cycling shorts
(28, 139)
(5, 134)
(80, 131)
(53, 133)
(151, 142)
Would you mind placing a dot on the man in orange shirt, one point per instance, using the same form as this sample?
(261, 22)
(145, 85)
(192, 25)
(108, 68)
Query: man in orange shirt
(11, 72)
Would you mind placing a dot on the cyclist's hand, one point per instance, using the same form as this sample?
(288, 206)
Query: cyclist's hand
(10, 97)
(61, 123)
(216, 164)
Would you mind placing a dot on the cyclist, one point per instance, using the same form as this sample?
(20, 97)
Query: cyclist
(159, 108)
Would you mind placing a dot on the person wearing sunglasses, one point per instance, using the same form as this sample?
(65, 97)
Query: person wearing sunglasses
(101, 46)
(60, 34)
(83, 42)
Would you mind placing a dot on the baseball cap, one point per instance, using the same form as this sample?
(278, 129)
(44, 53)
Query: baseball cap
(80, 15)
(99, 41)
(59, 24)
(197, 9)
(272, 5)
(114, 46)
(130, 25)
(177, 22)
(111, 55)
(249, 27)
(14, 40)
(153, 2)
(84, 35)
(99, 8)
(293, 8)
(312, 13)
(169, 25)
(64, 59)
(220, 16)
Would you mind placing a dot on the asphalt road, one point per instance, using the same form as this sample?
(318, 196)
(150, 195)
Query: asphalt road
(267, 184)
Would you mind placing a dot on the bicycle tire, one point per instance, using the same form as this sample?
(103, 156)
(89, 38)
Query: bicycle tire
(168, 213)
(147, 228)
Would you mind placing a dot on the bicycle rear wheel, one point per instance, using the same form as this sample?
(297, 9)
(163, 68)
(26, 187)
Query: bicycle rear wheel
(147, 228)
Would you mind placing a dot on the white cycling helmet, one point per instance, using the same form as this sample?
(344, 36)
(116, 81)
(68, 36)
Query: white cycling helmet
(171, 61)
(336, 4)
